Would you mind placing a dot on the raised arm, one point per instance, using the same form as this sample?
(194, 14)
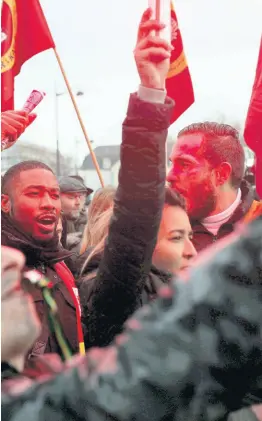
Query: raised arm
(140, 195)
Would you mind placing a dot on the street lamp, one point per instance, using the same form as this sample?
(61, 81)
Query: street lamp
(57, 95)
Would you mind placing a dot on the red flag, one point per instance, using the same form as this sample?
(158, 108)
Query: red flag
(24, 33)
(253, 126)
(178, 83)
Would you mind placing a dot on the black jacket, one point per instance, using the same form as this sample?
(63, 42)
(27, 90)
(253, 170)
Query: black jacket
(100, 330)
(203, 238)
(194, 354)
(42, 259)
(119, 286)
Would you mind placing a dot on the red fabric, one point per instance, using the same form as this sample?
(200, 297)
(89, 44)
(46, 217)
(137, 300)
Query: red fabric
(253, 126)
(178, 83)
(26, 34)
(66, 276)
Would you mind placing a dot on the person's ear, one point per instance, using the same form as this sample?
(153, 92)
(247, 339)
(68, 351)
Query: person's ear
(223, 173)
(5, 203)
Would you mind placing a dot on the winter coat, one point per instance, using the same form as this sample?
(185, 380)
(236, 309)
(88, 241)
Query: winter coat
(248, 208)
(122, 282)
(99, 326)
(43, 258)
(194, 354)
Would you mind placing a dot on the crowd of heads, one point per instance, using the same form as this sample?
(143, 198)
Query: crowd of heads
(208, 166)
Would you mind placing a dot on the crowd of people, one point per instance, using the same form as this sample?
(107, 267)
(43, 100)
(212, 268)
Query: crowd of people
(144, 302)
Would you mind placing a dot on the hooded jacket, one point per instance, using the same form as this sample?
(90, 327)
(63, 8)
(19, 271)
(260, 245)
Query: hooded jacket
(247, 210)
(194, 354)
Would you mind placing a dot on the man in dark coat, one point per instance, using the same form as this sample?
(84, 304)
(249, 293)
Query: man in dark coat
(30, 211)
(73, 197)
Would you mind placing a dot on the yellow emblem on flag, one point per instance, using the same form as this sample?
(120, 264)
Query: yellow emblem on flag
(177, 66)
(8, 35)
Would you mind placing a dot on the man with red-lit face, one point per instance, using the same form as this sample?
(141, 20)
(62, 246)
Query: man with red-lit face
(34, 203)
(192, 176)
(31, 209)
(208, 164)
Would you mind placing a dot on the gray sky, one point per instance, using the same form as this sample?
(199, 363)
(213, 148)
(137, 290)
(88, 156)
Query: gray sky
(96, 38)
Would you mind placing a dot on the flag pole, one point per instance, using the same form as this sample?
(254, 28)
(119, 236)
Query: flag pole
(80, 119)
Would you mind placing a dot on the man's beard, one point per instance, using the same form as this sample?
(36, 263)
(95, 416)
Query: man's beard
(203, 201)
(73, 215)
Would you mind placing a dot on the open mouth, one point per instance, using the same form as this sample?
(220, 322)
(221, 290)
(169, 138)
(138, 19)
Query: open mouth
(47, 222)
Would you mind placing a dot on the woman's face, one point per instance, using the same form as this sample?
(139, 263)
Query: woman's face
(174, 250)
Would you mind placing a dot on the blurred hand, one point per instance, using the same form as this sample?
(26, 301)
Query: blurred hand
(13, 124)
(12, 263)
(152, 53)
(20, 326)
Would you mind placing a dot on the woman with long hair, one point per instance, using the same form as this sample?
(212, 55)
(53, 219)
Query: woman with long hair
(97, 214)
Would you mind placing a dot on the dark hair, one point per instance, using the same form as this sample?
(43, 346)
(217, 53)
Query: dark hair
(221, 144)
(17, 169)
(173, 198)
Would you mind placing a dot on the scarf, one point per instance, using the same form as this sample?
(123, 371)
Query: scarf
(50, 252)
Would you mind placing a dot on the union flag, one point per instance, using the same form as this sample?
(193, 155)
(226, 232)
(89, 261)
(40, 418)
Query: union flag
(253, 125)
(24, 33)
(178, 82)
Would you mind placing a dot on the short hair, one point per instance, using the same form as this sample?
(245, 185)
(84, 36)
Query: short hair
(17, 169)
(221, 144)
(173, 198)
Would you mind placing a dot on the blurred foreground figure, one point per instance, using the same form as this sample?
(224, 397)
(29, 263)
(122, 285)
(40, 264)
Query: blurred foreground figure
(19, 323)
(194, 354)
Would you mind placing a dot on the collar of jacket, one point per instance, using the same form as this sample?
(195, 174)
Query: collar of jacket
(247, 198)
(49, 253)
(155, 278)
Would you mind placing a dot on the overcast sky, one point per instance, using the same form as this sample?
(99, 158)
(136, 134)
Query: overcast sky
(95, 39)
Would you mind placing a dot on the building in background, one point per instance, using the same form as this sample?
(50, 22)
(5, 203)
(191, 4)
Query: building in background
(108, 158)
(23, 151)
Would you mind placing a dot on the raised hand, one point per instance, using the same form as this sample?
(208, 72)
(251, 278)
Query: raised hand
(152, 53)
(13, 124)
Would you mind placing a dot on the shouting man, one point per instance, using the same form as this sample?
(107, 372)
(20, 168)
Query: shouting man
(30, 212)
